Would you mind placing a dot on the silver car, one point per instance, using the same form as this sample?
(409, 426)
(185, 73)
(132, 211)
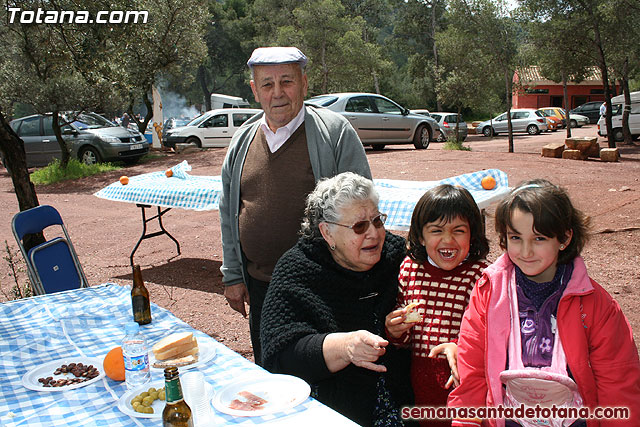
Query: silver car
(380, 121)
(447, 123)
(522, 120)
(90, 137)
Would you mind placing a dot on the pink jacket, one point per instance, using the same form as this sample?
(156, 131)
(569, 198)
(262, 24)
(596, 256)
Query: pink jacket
(596, 336)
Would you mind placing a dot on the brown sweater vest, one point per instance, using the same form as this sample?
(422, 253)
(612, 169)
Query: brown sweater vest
(273, 191)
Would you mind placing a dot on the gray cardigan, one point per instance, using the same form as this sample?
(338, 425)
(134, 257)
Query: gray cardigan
(334, 147)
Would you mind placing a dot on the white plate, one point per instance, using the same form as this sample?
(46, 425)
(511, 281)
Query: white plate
(280, 391)
(207, 351)
(124, 403)
(30, 379)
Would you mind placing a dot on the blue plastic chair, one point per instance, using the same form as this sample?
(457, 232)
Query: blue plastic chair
(53, 266)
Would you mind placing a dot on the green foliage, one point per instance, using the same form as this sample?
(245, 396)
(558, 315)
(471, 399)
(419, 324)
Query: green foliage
(74, 170)
(16, 270)
(453, 144)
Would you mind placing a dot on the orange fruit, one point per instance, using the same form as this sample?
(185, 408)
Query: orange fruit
(124, 180)
(488, 182)
(169, 173)
(113, 364)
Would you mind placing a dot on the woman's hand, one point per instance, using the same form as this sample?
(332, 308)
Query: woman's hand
(394, 325)
(450, 350)
(362, 348)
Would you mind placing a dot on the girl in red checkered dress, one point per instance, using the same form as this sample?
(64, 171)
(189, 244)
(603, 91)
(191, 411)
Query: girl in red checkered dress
(446, 251)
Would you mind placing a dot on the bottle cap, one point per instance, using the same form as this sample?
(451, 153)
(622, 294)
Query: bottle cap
(131, 328)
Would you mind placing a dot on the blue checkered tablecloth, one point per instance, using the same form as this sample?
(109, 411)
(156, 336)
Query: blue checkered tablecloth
(88, 323)
(397, 197)
(200, 193)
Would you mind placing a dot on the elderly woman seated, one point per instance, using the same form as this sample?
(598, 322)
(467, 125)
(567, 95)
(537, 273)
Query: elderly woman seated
(323, 316)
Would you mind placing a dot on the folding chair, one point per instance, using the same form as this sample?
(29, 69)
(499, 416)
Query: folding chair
(53, 266)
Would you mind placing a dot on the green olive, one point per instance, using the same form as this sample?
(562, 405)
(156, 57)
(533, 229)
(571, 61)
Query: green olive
(136, 399)
(148, 401)
(148, 410)
(144, 394)
(153, 394)
(161, 394)
(151, 390)
(139, 408)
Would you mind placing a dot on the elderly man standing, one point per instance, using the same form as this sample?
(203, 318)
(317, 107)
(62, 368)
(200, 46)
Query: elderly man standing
(273, 162)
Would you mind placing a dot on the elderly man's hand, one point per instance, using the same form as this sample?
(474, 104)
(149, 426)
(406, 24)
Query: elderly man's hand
(236, 296)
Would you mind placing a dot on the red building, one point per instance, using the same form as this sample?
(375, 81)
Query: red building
(535, 91)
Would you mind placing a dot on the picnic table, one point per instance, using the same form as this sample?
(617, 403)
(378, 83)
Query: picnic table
(88, 322)
(202, 193)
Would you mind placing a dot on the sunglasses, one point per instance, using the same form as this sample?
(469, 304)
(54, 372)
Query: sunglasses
(361, 227)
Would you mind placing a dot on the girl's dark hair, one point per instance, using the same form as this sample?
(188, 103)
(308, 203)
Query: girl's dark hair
(553, 215)
(447, 202)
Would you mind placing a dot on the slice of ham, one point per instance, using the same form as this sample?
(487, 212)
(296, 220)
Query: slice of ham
(252, 402)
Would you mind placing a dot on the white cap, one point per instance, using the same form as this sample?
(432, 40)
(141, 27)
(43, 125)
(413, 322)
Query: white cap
(277, 55)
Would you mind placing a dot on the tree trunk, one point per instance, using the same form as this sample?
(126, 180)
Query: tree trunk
(435, 51)
(605, 83)
(508, 83)
(626, 111)
(15, 160)
(565, 101)
(64, 150)
(201, 76)
(325, 68)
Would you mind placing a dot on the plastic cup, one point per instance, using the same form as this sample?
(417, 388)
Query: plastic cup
(195, 394)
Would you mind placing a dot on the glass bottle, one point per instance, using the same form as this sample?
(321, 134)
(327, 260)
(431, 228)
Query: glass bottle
(140, 298)
(176, 412)
(136, 356)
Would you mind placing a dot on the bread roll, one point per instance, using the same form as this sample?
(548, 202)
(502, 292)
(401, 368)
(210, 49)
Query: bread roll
(175, 345)
(412, 314)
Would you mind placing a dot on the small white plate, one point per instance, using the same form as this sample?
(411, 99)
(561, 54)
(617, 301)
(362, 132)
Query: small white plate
(124, 403)
(207, 351)
(280, 391)
(30, 379)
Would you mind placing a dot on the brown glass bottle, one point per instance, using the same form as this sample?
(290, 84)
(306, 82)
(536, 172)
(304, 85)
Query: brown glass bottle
(176, 412)
(140, 298)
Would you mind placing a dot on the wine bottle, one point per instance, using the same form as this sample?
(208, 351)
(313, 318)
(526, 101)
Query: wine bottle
(140, 298)
(176, 412)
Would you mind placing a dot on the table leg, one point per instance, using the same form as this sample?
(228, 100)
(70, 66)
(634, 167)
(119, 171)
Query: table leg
(144, 235)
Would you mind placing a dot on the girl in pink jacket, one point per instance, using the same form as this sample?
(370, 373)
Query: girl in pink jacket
(539, 333)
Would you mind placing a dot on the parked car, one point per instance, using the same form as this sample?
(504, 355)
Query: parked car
(553, 123)
(590, 109)
(90, 137)
(578, 120)
(522, 120)
(379, 120)
(212, 129)
(556, 112)
(447, 124)
(617, 108)
(424, 112)
(172, 123)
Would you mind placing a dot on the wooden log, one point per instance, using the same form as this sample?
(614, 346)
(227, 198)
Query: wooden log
(554, 149)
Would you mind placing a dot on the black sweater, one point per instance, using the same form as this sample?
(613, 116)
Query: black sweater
(310, 296)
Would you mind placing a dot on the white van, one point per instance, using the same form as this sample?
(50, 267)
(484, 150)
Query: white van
(211, 129)
(227, 101)
(617, 104)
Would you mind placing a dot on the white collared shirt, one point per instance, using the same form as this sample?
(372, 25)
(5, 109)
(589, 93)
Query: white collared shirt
(275, 140)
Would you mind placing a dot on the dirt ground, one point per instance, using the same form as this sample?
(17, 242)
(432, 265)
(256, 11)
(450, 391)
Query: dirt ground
(189, 285)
